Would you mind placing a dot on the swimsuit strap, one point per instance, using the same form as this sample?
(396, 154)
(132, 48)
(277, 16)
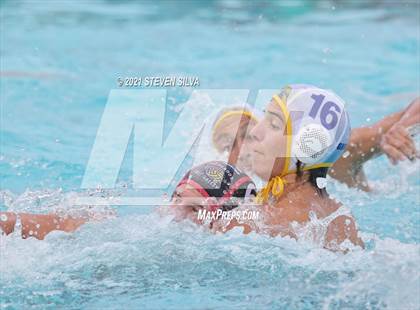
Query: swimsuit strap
(315, 230)
(341, 211)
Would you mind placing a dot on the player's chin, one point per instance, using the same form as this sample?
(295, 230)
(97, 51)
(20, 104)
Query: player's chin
(260, 168)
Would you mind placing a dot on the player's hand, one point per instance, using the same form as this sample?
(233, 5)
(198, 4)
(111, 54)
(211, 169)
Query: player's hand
(397, 144)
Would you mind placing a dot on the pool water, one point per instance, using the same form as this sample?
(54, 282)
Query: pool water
(59, 61)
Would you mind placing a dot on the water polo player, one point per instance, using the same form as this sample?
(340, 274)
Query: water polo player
(390, 136)
(304, 131)
(230, 134)
(212, 185)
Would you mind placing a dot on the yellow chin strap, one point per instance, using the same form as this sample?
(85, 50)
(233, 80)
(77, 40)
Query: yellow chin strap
(275, 187)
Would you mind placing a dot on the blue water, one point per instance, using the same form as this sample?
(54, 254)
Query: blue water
(59, 60)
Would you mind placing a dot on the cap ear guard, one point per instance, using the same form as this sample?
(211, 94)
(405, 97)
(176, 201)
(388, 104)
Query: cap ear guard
(311, 144)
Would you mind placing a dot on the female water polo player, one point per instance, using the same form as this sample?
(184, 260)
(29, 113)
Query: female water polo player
(230, 134)
(388, 136)
(209, 186)
(304, 131)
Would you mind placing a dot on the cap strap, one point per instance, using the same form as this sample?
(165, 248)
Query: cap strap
(286, 114)
(275, 187)
(230, 113)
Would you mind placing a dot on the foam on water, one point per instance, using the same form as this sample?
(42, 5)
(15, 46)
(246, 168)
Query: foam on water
(158, 262)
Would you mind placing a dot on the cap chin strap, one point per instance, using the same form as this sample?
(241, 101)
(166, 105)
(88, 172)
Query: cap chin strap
(282, 104)
(275, 187)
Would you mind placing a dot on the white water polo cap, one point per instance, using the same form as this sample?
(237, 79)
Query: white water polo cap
(317, 126)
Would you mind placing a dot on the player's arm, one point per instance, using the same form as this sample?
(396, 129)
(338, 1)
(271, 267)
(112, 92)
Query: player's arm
(388, 136)
(38, 225)
(396, 143)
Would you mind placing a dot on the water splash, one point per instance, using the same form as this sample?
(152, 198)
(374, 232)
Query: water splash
(148, 257)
